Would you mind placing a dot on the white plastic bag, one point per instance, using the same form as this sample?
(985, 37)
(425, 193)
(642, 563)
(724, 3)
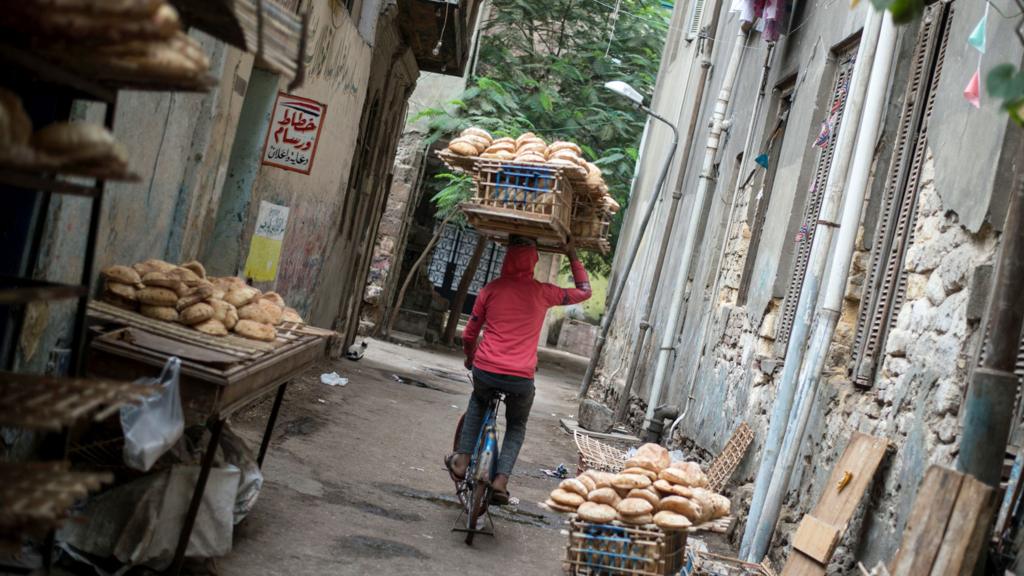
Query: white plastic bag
(155, 424)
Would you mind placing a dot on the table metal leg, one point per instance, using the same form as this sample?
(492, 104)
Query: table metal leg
(215, 427)
(265, 444)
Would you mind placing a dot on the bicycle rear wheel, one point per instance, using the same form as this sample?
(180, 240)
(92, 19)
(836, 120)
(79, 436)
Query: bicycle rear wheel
(478, 501)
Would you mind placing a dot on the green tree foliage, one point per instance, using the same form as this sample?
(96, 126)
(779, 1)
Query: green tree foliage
(542, 67)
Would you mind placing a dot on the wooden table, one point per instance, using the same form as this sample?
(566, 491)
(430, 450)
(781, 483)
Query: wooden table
(219, 375)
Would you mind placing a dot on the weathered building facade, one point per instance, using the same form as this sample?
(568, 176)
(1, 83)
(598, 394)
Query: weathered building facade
(203, 179)
(911, 321)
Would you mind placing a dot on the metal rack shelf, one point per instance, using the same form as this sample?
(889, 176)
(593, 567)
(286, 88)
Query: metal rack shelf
(35, 496)
(23, 290)
(46, 403)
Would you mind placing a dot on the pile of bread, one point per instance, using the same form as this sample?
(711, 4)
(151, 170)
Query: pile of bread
(184, 294)
(591, 211)
(650, 490)
(111, 39)
(70, 147)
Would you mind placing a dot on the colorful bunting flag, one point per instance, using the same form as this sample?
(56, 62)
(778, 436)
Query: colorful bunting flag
(762, 161)
(973, 91)
(977, 37)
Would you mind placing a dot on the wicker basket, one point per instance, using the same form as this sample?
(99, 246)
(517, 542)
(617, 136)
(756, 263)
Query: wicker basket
(609, 549)
(521, 199)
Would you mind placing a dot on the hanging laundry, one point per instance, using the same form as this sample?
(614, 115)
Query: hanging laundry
(977, 37)
(828, 126)
(802, 234)
(772, 15)
(973, 91)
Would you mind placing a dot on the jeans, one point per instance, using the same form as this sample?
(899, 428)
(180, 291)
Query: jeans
(518, 401)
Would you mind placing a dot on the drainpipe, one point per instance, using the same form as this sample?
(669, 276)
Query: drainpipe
(677, 194)
(606, 322)
(718, 125)
(705, 327)
(866, 107)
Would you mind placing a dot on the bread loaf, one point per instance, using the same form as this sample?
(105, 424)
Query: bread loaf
(121, 274)
(154, 296)
(646, 494)
(479, 143)
(275, 299)
(240, 296)
(196, 267)
(292, 315)
(125, 291)
(194, 296)
(212, 327)
(462, 147)
(596, 513)
(686, 474)
(575, 486)
(634, 507)
(77, 140)
(641, 520)
(187, 276)
(165, 313)
(255, 330)
(262, 311)
(119, 302)
(152, 265)
(561, 145)
(604, 496)
(630, 481)
(162, 280)
(588, 482)
(558, 507)
(670, 521)
(566, 498)
(478, 132)
(196, 313)
(689, 508)
(224, 313)
(642, 472)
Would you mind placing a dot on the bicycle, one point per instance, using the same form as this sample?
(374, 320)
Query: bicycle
(474, 492)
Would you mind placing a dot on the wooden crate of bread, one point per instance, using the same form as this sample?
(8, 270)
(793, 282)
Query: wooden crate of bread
(514, 198)
(612, 549)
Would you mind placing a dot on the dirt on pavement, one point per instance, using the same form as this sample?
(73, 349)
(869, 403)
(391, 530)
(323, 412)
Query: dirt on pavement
(355, 484)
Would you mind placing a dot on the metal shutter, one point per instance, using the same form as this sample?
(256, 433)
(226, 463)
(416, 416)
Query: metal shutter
(696, 15)
(885, 289)
(812, 206)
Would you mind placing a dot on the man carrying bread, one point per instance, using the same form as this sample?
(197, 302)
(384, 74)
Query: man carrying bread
(512, 308)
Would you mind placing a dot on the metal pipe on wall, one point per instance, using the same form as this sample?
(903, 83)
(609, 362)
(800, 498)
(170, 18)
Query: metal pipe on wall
(718, 126)
(620, 286)
(835, 288)
(677, 195)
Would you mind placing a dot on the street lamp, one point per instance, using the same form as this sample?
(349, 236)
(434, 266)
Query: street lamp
(628, 92)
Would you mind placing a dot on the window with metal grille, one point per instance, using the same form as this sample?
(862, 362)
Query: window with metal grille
(758, 207)
(693, 22)
(885, 286)
(804, 232)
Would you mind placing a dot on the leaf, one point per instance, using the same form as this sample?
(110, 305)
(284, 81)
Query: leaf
(1006, 82)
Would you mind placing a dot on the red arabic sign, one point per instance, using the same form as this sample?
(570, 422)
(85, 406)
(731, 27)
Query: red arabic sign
(294, 133)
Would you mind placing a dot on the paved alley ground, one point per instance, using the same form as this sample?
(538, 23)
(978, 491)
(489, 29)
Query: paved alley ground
(354, 480)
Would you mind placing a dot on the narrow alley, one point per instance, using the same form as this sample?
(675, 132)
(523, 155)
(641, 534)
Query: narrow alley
(354, 482)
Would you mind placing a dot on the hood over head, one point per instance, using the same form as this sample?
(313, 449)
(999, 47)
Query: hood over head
(519, 262)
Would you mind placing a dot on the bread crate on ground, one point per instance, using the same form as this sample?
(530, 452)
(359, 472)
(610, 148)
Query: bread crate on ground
(608, 549)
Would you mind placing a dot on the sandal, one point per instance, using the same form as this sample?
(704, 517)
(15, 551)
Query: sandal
(448, 463)
(499, 497)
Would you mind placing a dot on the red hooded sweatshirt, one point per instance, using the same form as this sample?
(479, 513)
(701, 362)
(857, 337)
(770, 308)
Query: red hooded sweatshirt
(513, 307)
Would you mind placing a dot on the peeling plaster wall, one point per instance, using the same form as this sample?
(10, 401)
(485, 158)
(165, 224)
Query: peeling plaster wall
(728, 352)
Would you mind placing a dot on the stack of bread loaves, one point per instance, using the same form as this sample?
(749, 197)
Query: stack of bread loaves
(70, 147)
(111, 39)
(651, 489)
(184, 294)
